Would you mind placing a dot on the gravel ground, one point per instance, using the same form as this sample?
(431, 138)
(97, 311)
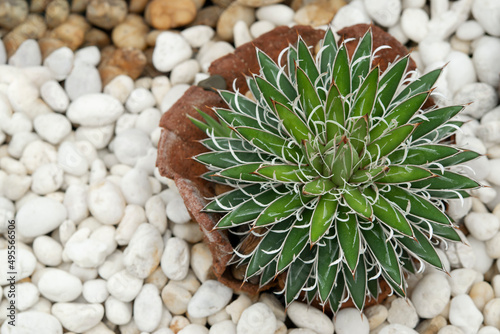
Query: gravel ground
(104, 244)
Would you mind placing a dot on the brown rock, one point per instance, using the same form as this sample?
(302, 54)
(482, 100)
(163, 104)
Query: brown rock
(38, 6)
(137, 6)
(232, 14)
(167, 14)
(222, 3)
(128, 61)
(257, 3)
(57, 12)
(78, 6)
(106, 14)
(151, 37)
(131, 33)
(48, 44)
(13, 13)
(33, 28)
(96, 37)
(318, 13)
(208, 16)
(431, 326)
(199, 4)
(149, 69)
(71, 33)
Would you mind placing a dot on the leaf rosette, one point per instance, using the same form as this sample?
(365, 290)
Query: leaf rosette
(337, 169)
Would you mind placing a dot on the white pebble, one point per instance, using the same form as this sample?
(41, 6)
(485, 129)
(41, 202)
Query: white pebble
(15, 186)
(483, 261)
(117, 311)
(277, 14)
(449, 329)
(19, 122)
(78, 317)
(130, 145)
(175, 259)
(58, 285)
(25, 264)
(47, 179)
(194, 329)
(257, 319)
(54, 95)
(83, 80)
(139, 99)
(89, 55)
(402, 312)
(211, 297)
(112, 265)
(482, 96)
(75, 201)
(160, 86)
(22, 94)
(488, 330)
(98, 136)
(71, 159)
(482, 226)
(124, 286)
(34, 322)
(198, 35)
(144, 251)
(261, 27)
(493, 246)
(133, 216)
(60, 63)
(94, 291)
(19, 141)
(40, 216)
(236, 308)
(351, 14)
(177, 211)
(148, 120)
(464, 314)
(462, 279)
(212, 51)
(172, 96)
(106, 203)
(487, 12)
(27, 54)
(135, 187)
(385, 12)
(492, 313)
(223, 327)
(120, 87)
(175, 297)
(47, 250)
(94, 110)
(85, 252)
(184, 72)
(305, 316)
(148, 308)
(201, 261)
(469, 30)
(430, 295)
(350, 320)
(241, 33)
(170, 50)
(414, 23)
(460, 70)
(487, 66)
(106, 235)
(397, 329)
(27, 295)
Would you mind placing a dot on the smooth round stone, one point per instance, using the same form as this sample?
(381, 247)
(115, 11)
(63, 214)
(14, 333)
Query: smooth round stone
(241, 34)
(430, 295)
(144, 251)
(483, 261)
(185, 72)
(177, 211)
(461, 280)
(211, 297)
(488, 330)
(71, 159)
(140, 99)
(47, 250)
(124, 286)
(481, 94)
(55, 96)
(85, 252)
(223, 327)
(89, 55)
(33, 322)
(83, 80)
(376, 315)
(17, 123)
(259, 28)
(25, 264)
(482, 226)
(257, 319)
(106, 235)
(450, 330)
(350, 14)
(493, 246)
(485, 61)
(148, 120)
(414, 23)
(305, 316)
(75, 201)
(175, 259)
(47, 179)
(120, 87)
(172, 96)
(148, 308)
(40, 216)
(28, 54)
(384, 12)
(469, 30)
(176, 298)
(15, 186)
(135, 187)
(348, 321)
(481, 293)
(402, 312)
(460, 70)
(464, 314)
(170, 50)
(277, 14)
(130, 145)
(95, 110)
(78, 317)
(194, 329)
(118, 312)
(59, 286)
(487, 12)
(106, 203)
(201, 261)
(19, 141)
(236, 308)
(133, 216)
(95, 291)
(60, 63)
(198, 35)
(397, 329)
(212, 51)
(27, 295)
(492, 313)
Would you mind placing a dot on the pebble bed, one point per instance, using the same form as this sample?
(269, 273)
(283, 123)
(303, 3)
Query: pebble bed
(105, 244)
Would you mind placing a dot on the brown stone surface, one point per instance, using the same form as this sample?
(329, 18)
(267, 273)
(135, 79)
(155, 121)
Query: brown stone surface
(167, 14)
(12, 13)
(106, 14)
(33, 27)
(57, 12)
(47, 45)
(127, 61)
(208, 16)
(96, 37)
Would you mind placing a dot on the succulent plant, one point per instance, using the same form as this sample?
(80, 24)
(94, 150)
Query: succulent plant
(338, 172)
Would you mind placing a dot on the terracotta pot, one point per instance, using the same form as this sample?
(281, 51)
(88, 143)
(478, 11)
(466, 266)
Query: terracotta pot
(179, 137)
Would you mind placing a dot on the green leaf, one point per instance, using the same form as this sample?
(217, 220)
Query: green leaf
(249, 210)
(218, 129)
(341, 71)
(295, 241)
(357, 284)
(270, 143)
(422, 154)
(459, 158)
(269, 272)
(388, 85)
(271, 94)
(359, 135)
(243, 173)
(298, 273)
(337, 293)
(402, 174)
(416, 205)
(446, 181)
(311, 103)
(281, 208)
(269, 247)
(334, 108)
(384, 211)
(329, 51)
(367, 175)
(422, 84)
(348, 236)
(361, 59)
(422, 248)
(323, 217)
(226, 144)
(443, 231)
(435, 118)
(293, 124)
(343, 164)
(383, 251)
(234, 119)
(227, 201)
(400, 290)
(318, 187)
(327, 273)
(228, 159)
(445, 194)
(372, 284)
(292, 60)
(313, 156)
(275, 76)
(386, 144)
(287, 173)
(358, 202)
(365, 98)
(442, 132)
(400, 115)
(306, 63)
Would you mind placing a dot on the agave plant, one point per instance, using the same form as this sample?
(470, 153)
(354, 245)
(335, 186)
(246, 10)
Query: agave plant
(337, 170)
